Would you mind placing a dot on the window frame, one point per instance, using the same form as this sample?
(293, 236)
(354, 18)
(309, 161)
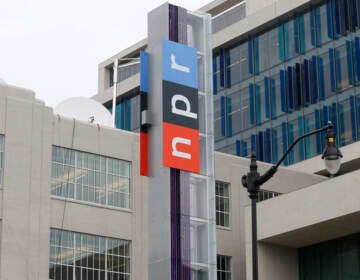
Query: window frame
(227, 258)
(95, 245)
(105, 173)
(223, 213)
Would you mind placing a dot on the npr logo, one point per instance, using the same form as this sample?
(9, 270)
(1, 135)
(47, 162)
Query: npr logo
(180, 107)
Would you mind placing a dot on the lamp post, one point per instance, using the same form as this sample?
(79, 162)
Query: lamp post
(252, 181)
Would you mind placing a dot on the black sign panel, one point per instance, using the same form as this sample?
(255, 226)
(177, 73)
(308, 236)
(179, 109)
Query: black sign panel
(180, 105)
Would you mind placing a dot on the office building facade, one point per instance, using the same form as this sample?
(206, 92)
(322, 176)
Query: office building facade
(278, 80)
(74, 205)
(280, 70)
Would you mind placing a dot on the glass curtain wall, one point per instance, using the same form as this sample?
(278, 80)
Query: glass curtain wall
(288, 80)
(127, 114)
(337, 259)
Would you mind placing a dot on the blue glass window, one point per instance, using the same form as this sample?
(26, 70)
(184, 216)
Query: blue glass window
(218, 119)
(275, 95)
(347, 122)
(133, 113)
(240, 110)
(325, 75)
(323, 23)
(238, 64)
(358, 116)
(279, 143)
(246, 146)
(291, 38)
(127, 114)
(267, 145)
(260, 146)
(216, 73)
(222, 68)
(311, 142)
(262, 103)
(356, 12)
(270, 48)
(343, 66)
(356, 55)
(307, 34)
(295, 130)
(229, 116)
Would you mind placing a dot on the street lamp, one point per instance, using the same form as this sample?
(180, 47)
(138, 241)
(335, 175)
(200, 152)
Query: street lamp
(253, 180)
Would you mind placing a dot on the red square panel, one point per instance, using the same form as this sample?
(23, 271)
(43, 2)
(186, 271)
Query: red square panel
(144, 161)
(181, 148)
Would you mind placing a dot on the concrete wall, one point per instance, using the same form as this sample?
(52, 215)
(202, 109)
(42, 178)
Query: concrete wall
(311, 215)
(27, 209)
(26, 124)
(230, 241)
(258, 13)
(105, 220)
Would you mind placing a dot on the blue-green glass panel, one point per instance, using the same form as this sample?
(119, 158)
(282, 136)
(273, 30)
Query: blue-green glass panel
(252, 103)
(346, 122)
(323, 24)
(217, 119)
(310, 141)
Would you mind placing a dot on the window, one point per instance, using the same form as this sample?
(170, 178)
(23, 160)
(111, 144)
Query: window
(268, 49)
(222, 204)
(127, 115)
(223, 264)
(89, 177)
(83, 256)
(237, 68)
(347, 121)
(326, 74)
(238, 111)
(344, 66)
(216, 73)
(324, 32)
(264, 195)
(333, 259)
(127, 69)
(111, 76)
(219, 117)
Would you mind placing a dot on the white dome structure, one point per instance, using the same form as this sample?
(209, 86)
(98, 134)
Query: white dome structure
(85, 109)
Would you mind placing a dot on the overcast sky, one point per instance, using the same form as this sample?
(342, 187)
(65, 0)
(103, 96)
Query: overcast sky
(54, 47)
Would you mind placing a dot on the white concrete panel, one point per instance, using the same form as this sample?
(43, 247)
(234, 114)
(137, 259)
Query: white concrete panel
(335, 199)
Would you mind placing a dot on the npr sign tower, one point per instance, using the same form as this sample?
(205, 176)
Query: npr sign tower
(177, 144)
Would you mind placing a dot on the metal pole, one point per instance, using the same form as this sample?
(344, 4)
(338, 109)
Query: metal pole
(254, 239)
(114, 91)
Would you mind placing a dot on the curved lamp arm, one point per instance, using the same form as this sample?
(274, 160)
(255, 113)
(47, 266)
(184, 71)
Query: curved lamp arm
(268, 174)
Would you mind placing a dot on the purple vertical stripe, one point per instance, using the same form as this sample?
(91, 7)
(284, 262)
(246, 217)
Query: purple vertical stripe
(184, 179)
(179, 182)
(174, 179)
(175, 227)
(173, 28)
